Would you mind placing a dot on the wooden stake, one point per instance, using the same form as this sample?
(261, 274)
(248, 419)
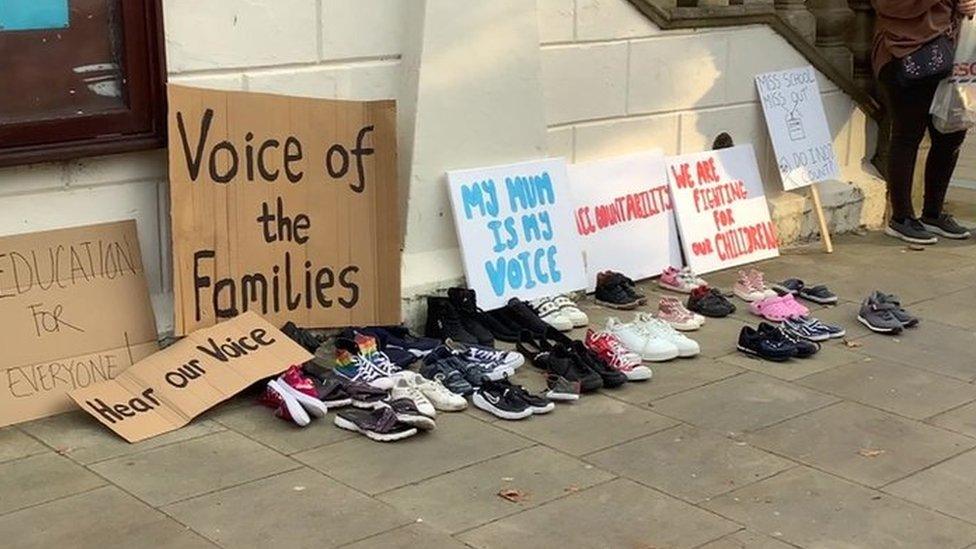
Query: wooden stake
(818, 208)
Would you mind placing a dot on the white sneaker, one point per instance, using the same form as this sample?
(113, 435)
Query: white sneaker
(289, 408)
(657, 328)
(570, 310)
(638, 340)
(403, 388)
(551, 314)
(439, 396)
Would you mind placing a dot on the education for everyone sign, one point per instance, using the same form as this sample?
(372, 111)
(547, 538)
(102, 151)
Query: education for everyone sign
(624, 216)
(283, 205)
(167, 390)
(798, 127)
(721, 209)
(74, 311)
(516, 230)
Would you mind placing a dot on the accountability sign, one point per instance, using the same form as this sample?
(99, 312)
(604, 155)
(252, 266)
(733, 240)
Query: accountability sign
(721, 209)
(624, 215)
(515, 225)
(798, 127)
(286, 206)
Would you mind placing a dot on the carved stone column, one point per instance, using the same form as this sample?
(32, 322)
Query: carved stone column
(796, 14)
(861, 42)
(834, 20)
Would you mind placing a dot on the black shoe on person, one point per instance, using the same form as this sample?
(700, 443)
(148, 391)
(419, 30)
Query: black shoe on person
(302, 337)
(444, 322)
(910, 230)
(465, 302)
(613, 291)
(945, 225)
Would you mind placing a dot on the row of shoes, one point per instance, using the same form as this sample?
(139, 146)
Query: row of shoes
(883, 313)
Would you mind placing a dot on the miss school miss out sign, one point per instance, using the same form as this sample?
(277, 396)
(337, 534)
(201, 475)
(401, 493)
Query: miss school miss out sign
(284, 206)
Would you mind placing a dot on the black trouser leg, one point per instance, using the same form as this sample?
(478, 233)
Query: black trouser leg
(939, 167)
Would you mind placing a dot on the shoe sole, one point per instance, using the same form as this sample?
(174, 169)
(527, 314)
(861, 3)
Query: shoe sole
(839, 334)
(419, 421)
(877, 329)
(366, 405)
(661, 357)
(481, 403)
(312, 405)
(946, 234)
(689, 354)
(562, 397)
(746, 297)
(373, 435)
(295, 410)
(639, 375)
(895, 234)
(674, 288)
(685, 327)
(619, 306)
(542, 410)
(754, 353)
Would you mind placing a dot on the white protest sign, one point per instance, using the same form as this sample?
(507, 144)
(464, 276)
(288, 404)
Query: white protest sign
(721, 209)
(798, 127)
(515, 226)
(624, 215)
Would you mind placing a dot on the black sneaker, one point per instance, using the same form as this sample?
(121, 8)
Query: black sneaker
(631, 288)
(946, 226)
(302, 337)
(588, 360)
(525, 317)
(539, 404)
(710, 302)
(466, 304)
(444, 322)
(612, 291)
(910, 230)
(501, 400)
(563, 361)
(804, 347)
(501, 324)
(765, 345)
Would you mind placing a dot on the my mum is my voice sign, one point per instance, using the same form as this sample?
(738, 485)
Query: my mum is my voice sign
(721, 209)
(283, 205)
(798, 127)
(515, 225)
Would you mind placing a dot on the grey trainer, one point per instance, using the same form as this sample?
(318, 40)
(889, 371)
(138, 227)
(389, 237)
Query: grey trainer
(907, 319)
(879, 316)
(910, 230)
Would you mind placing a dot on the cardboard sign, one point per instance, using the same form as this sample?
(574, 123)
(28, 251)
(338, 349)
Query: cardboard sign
(515, 225)
(624, 215)
(798, 127)
(721, 209)
(284, 206)
(165, 391)
(75, 311)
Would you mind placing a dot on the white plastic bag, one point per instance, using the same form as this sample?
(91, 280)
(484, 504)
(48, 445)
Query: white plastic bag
(954, 106)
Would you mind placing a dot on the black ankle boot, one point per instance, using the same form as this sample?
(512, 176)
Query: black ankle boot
(444, 322)
(466, 304)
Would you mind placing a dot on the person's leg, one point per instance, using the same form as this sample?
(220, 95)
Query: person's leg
(908, 111)
(939, 167)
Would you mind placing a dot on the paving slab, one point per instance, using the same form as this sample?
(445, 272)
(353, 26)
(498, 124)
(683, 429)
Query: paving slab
(300, 508)
(743, 403)
(746, 540)
(860, 443)
(938, 348)
(899, 389)
(810, 508)
(469, 497)
(955, 309)
(949, 487)
(690, 463)
(831, 355)
(104, 518)
(620, 513)
(14, 444)
(82, 438)
(593, 423)
(41, 478)
(672, 378)
(374, 467)
(259, 423)
(961, 419)
(194, 467)
(413, 536)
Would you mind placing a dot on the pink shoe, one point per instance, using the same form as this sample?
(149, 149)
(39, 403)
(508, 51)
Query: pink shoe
(672, 311)
(770, 308)
(751, 286)
(679, 280)
(794, 307)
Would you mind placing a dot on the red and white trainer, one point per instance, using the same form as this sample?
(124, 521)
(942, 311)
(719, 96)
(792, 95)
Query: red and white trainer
(613, 352)
(285, 405)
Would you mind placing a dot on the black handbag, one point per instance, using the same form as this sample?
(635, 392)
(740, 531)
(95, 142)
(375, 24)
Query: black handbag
(933, 60)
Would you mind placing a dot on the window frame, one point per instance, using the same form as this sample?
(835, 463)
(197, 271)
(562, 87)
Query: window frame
(140, 125)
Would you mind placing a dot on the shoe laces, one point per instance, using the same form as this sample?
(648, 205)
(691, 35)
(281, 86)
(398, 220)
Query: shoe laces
(545, 307)
(562, 301)
(407, 388)
(486, 355)
(654, 326)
